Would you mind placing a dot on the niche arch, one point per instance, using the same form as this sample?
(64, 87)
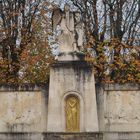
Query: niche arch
(80, 105)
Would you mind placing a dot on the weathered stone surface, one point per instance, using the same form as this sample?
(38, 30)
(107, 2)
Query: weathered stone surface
(66, 39)
(23, 111)
(74, 78)
(21, 136)
(119, 107)
(121, 87)
(50, 136)
(71, 37)
(71, 136)
(123, 111)
(121, 136)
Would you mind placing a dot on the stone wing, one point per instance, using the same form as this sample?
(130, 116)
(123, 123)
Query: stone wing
(56, 18)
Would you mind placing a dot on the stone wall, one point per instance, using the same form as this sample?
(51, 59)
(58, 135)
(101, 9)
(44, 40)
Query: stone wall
(23, 108)
(119, 107)
(51, 136)
(23, 114)
(71, 136)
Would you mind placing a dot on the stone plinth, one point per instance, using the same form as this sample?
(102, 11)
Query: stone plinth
(71, 56)
(72, 78)
(51, 136)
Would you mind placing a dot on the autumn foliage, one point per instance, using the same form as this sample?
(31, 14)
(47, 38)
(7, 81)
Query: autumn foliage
(24, 51)
(111, 40)
(120, 67)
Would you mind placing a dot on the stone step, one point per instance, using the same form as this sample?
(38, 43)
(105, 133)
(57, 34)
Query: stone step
(71, 136)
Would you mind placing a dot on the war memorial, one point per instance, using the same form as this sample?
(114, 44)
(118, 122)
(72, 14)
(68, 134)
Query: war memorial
(71, 106)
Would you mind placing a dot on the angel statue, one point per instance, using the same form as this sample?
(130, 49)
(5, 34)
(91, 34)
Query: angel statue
(66, 40)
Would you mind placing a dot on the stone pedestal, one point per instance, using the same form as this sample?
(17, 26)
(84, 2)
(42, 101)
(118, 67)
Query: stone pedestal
(72, 98)
(73, 78)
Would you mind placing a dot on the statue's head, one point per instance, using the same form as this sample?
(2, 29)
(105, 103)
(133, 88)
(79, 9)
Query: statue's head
(67, 8)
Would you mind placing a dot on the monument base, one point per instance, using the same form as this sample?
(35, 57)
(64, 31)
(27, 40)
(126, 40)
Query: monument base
(71, 56)
(71, 136)
(72, 79)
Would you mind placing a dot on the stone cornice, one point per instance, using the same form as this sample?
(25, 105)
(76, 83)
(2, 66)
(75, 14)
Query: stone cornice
(23, 87)
(120, 87)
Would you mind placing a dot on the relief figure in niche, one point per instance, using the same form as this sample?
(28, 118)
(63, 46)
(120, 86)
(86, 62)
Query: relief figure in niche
(72, 110)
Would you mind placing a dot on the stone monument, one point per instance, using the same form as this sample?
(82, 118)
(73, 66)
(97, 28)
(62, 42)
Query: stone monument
(72, 99)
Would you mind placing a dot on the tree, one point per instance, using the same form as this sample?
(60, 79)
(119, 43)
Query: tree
(36, 58)
(21, 22)
(112, 33)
